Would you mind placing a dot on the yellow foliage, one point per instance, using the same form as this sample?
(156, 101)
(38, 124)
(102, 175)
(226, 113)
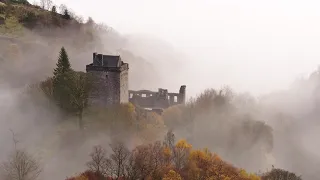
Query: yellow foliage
(172, 175)
(249, 176)
(200, 155)
(130, 107)
(82, 177)
(183, 144)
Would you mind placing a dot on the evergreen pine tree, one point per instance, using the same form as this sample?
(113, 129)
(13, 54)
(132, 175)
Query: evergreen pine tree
(62, 81)
(66, 14)
(63, 64)
(54, 9)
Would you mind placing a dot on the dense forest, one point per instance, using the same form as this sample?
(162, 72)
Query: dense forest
(49, 131)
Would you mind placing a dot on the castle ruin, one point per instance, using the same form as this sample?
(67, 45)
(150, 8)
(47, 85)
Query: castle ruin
(111, 86)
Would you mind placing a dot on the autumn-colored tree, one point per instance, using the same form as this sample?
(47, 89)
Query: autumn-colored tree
(150, 161)
(181, 153)
(172, 175)
(88, 175)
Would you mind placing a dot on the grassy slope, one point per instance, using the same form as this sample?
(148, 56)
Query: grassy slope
(29, 17)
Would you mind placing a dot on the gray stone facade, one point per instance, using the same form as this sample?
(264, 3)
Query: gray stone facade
(111, 86)
(110, 80)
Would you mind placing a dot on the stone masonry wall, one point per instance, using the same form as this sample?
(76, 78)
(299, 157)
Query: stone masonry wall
(112, 82)
(124, 86)
(98, 95)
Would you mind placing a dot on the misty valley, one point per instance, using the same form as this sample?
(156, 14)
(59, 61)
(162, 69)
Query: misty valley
(69, 112)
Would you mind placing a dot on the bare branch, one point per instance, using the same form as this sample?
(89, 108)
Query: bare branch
(99, 163)
(20, 166)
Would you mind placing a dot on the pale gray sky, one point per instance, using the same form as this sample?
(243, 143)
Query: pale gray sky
(252, 45)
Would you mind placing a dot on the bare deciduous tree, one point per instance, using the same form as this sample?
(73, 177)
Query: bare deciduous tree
(169, 139)
(46, 4)
(62, 8)
(119, 158)
(20, 165)
(99, 162)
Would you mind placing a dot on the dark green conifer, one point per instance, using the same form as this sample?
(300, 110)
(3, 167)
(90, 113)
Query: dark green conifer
(62, 81)
(63, 64)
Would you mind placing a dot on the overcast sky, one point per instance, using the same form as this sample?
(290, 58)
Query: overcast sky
(252, 45)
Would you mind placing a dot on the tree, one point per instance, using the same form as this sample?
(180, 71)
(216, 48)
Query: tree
(276, 174)
(139, 166)
(99, 162)
(46, 4)
(169, 139)
(47, 87)
(181, 153)
(62, 82)
(20, 165)
(119, 157)
(90, 21)
(80, 93)
(66, 14)
(63, 64)
(54, 9)
(172, 175)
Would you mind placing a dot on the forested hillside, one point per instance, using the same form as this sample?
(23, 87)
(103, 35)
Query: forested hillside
(49, 130)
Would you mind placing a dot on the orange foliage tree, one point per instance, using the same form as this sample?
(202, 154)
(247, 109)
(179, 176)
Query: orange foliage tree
(162, 160)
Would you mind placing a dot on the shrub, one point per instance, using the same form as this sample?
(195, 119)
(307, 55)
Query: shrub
(276, 174)
(28, 17)
(2, 8)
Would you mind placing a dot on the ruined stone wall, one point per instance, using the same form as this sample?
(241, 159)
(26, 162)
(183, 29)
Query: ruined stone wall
(124, 86)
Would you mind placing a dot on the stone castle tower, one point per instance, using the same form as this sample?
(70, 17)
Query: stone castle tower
(110, 85)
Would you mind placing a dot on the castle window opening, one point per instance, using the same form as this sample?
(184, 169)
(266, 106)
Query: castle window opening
(143, 95)
(175, 99)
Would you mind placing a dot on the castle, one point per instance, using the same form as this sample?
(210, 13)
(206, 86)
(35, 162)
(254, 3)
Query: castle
(111, 86)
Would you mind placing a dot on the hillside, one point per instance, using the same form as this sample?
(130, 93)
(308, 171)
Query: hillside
(39, 29)
(215, 134)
